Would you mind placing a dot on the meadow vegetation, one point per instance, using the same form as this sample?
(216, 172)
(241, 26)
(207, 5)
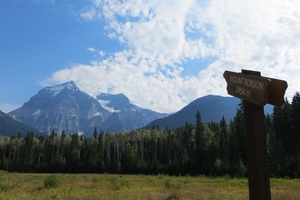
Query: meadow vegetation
(108, 186)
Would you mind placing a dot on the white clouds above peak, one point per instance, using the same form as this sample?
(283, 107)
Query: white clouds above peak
(160, 38)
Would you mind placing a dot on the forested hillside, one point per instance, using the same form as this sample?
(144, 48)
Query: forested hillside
(215, 148)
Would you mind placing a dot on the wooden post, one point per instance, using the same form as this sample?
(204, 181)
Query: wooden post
(258, 171)
(256, 91)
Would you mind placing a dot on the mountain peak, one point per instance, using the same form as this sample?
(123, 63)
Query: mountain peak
(66, 107)
(55, 90)
(69, 84)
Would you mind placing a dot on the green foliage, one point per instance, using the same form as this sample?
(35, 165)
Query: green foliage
(240, 169)
(5, 182)
(3, 177)
(169, 184)
(4, 187)
(117, 183)
(52, 181)
(82, 186)
(187, 180)
(214, 148)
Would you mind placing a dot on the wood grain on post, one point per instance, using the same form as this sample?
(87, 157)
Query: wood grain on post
(258, 169)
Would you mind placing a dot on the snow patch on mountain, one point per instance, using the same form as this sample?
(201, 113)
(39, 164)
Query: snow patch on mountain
(75, 103)
(104, 103)
(80, 133)
(36, 112)
(55, 90)
(97, 114)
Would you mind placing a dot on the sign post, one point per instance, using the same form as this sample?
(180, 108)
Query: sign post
(256, 91)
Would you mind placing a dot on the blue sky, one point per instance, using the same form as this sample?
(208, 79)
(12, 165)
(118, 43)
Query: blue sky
(160, 54)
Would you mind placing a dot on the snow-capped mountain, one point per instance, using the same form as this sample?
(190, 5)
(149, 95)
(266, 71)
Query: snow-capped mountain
(125, 114)
(66, 107)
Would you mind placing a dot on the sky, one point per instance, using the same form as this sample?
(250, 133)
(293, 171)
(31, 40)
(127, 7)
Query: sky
(162, 54)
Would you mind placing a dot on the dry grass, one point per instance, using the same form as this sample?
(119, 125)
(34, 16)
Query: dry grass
(105, 186)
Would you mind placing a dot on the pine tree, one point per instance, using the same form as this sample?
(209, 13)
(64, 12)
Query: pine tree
(283, 126)
(199, 160)
(239, 136)
(295, 120)
(224, 143)
(28, 151)
(74, 153)
(95, 134)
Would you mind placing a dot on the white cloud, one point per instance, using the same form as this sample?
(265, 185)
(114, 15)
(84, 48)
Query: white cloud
(258, 35)
(91, 49)
(101, 53)
(160, 36)
(136, 77)
(89, 14)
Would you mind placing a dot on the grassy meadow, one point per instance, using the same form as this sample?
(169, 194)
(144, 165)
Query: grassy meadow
(107, 186)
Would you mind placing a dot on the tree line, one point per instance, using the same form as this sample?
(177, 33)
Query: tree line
(214, 148)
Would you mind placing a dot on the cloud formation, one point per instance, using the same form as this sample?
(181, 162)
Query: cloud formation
(160, 38)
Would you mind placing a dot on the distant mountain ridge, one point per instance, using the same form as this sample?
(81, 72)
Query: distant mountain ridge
(9, 126)
(66, 107)
(211, 108)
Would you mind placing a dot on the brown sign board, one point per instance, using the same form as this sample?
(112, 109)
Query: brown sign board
(255, 89)
(276, 92)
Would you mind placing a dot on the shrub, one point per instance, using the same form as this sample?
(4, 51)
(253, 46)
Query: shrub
(52, 181)
(169, 184)
(119, 183)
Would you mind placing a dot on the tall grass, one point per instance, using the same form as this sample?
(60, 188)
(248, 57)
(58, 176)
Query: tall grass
(106, 186)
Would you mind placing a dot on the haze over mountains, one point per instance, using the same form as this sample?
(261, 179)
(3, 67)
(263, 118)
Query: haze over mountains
(66, 108)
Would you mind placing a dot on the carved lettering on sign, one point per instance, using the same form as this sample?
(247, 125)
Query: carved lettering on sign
(255, 89)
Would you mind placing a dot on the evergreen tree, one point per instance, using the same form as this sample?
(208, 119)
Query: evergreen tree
(238, 139)
(95, 134)
(100, 150)
(74, 153)
(28, 150)
(63, 149)
(295, 120)
(200, 161)
(283, 126)
(224, 144)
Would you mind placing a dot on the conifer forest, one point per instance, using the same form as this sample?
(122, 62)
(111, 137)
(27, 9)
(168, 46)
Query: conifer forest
(212, 149)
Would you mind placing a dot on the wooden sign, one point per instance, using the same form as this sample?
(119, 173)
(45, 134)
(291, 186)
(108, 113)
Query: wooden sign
(276, 92)
(255, 89)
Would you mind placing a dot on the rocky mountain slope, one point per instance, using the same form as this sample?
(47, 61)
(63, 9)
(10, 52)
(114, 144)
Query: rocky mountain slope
(66, 107)
(211, 108)
(9, 126)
